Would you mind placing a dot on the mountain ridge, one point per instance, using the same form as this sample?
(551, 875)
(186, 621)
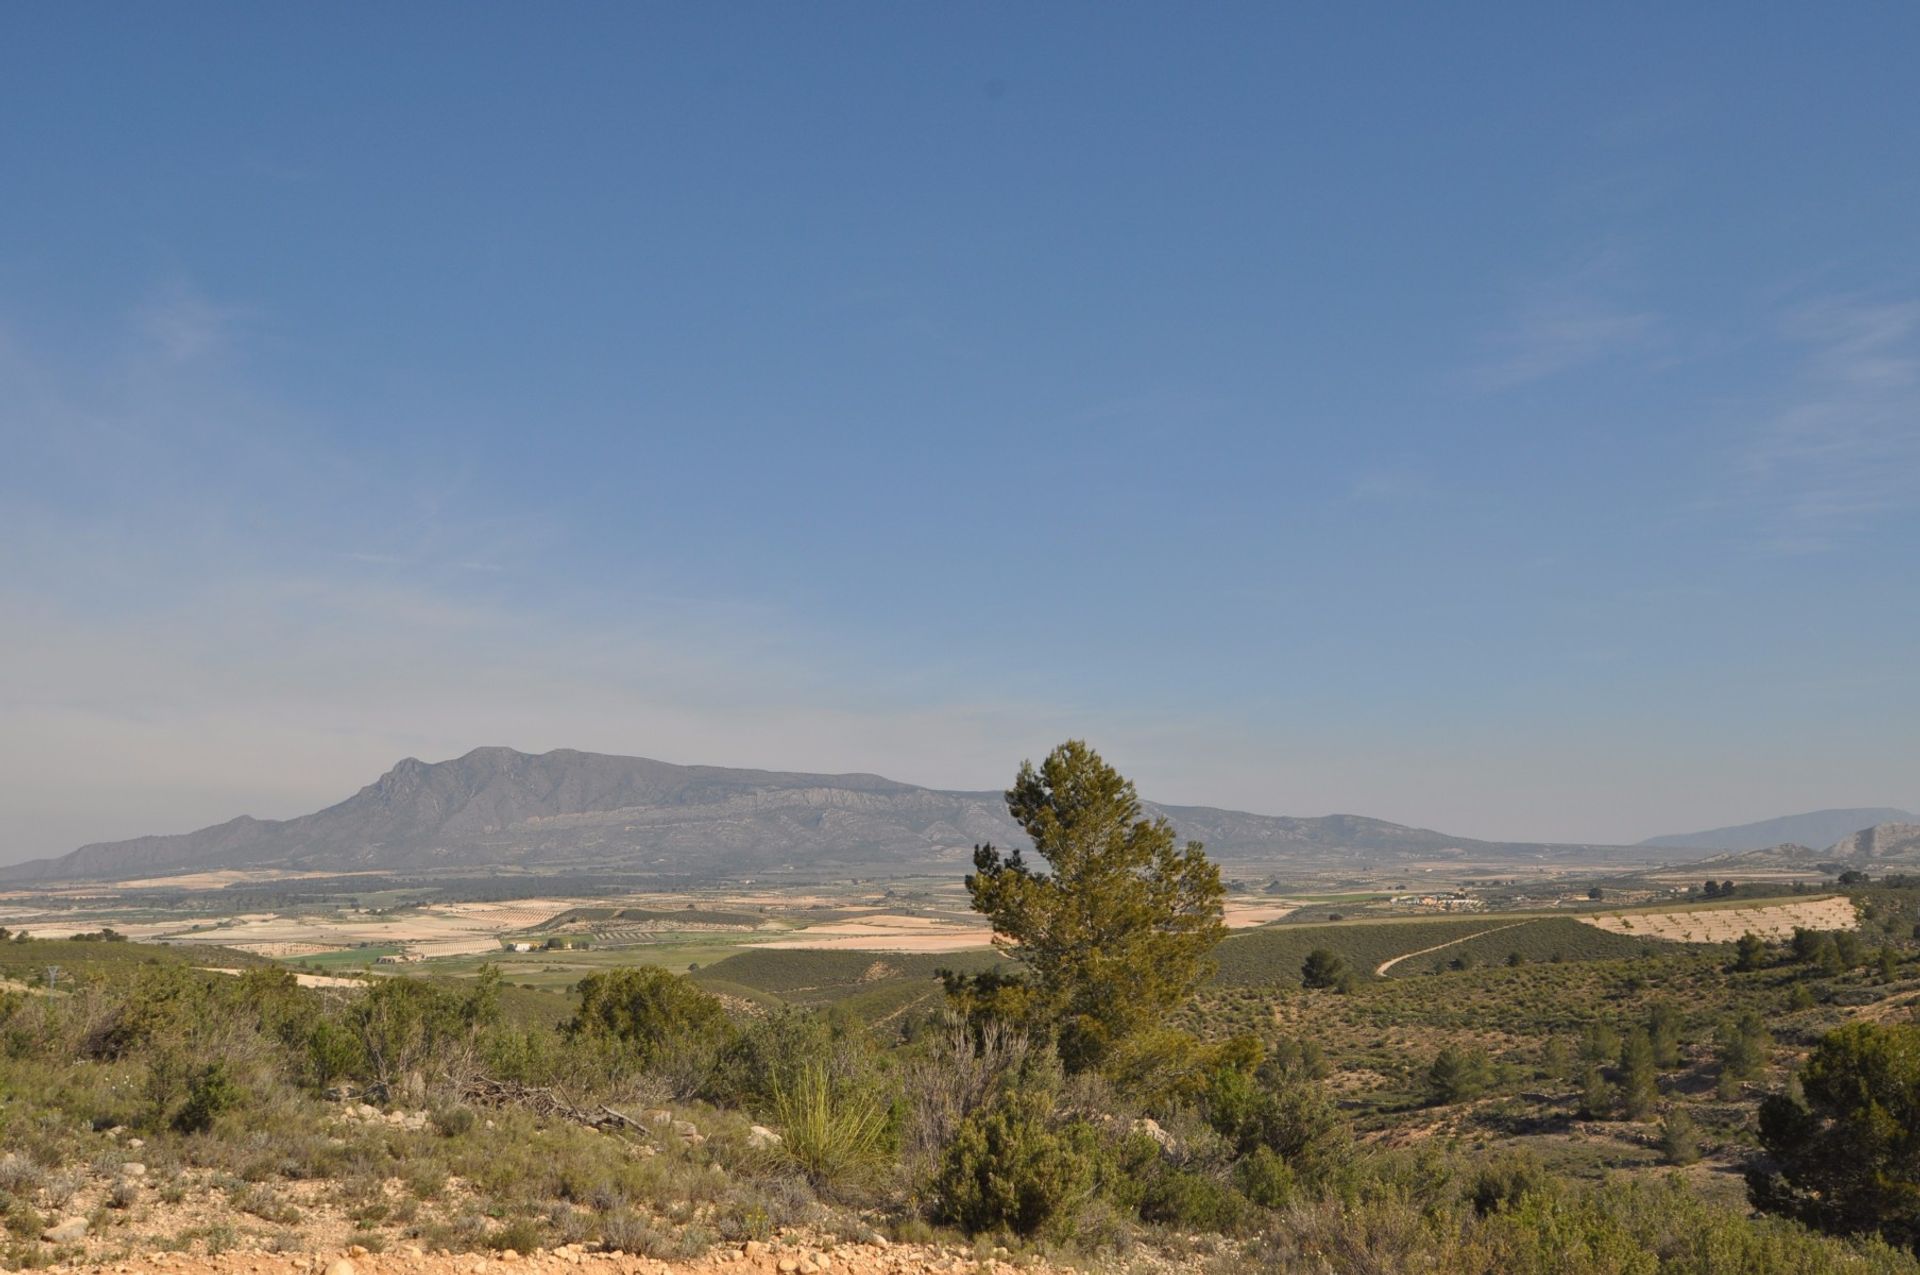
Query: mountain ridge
(1810, 828)
(496, 807)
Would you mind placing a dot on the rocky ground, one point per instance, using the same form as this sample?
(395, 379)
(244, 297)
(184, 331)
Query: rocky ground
(791, 1254)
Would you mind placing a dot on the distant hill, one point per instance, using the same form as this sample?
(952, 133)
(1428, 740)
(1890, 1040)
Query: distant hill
(495, 807)
(1874, 850)
(1815, 828)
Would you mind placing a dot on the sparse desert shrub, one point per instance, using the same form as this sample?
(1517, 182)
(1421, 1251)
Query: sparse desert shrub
(959, 1071)
(409, 1027)
(522, 1235)
(839, 1134)
(453, 1121)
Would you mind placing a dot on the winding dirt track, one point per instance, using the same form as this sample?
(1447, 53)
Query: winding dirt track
(1388, 964)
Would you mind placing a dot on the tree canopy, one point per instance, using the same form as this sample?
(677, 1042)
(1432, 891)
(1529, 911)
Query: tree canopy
(1848, 1156)
(1116, 930)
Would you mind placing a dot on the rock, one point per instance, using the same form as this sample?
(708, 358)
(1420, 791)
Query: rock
(685, 1128)
(356, 1250)
(133, 1169)
(68, 1230)
(134, 1144)
(1153, 1130)
(342, 1266)
(753, 1248)
(787, 1265)
(761, 1138)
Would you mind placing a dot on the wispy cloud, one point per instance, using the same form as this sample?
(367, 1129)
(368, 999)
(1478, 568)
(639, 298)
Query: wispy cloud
(1574, 319)
(1560, 337)
(1845, 447)
(182, 324)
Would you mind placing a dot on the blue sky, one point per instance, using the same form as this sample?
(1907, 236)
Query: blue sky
(1499, 419)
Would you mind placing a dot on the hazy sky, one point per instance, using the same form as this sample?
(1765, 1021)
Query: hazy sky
(1487, 417)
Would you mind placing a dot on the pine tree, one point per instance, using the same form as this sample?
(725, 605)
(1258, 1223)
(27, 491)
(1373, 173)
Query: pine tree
(1117, 931)
(1664, 1025)
(1596, 1095)
(1679, 1143)
(1639, 1079)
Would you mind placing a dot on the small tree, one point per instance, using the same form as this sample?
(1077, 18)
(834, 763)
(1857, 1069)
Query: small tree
(1596, 1095)
(1599, 1044)
(1118, 931)
(1323, 968)
(1742, 1047)
(1679, 1143)
(1664, 1024)
(1458, 1074)
(1639, 1079)
(655, 1017)
(1750, 953)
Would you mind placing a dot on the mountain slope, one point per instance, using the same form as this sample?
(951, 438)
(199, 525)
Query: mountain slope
(498, 807)
(1814, 828)
(1886, 841)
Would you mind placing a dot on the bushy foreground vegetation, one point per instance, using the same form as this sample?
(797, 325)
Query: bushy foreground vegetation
(653, 1116)
(971, 1127)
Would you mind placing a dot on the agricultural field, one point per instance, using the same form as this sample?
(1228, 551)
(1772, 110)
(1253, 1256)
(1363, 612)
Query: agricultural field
(1726, 921)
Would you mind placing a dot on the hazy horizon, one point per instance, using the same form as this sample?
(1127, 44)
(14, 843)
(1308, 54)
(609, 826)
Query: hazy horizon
(1505, 426)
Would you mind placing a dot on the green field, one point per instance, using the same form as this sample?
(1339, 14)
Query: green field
(1274, 954)
(28, 962)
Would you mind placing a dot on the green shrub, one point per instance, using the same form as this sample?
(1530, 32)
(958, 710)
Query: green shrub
(659, 1018)
(1502, 1184)
(1012, 1169)
(1265, 1178)
(1192, 1201)
(211, 1091)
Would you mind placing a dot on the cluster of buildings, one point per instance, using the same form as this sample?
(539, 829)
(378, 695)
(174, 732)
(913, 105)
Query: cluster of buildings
(1442, 901)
